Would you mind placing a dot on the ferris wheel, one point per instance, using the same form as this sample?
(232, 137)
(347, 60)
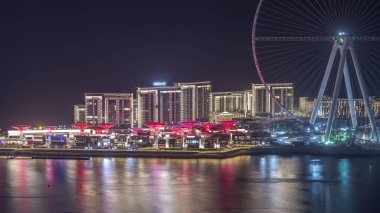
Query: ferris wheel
(325, 47)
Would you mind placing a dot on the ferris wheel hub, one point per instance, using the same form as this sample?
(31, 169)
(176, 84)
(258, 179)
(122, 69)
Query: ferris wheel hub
(341, 37)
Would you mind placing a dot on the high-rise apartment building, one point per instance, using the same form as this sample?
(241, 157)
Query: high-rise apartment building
(79, 113)
(195, 100)
(94, 108)
(171, 104)
(147, 99)
(115, 108)
(159, 104)
(118, 108)
(264, 103)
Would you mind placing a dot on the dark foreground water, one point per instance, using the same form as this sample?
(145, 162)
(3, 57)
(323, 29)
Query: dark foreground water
(241, 184)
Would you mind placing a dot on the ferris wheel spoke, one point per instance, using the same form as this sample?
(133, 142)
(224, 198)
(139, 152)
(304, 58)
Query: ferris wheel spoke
(372, 8)
(372, 25)
(274, 57)
(274, 53)
(370, 74)
(332, 13)
(265, 38)
(295, 25)
(318, 17)
(279, 47)
(300, 68)
(326, 38)
(286, 13)
(358, 7)
(285, 44)
(350, 14)
(286, 9)
(370, 67)
(278, 60)
(295, 29)
(365, 38)
(370, 51)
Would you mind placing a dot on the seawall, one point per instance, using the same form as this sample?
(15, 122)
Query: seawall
(81, 153)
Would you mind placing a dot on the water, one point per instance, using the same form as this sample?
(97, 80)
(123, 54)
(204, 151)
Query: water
(240, 184)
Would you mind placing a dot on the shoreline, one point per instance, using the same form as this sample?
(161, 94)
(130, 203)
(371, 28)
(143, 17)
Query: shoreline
(79, 153)
(285, 151)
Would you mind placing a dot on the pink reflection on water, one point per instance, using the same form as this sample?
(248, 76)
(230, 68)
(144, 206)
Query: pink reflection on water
(227, 185)
(49, 171)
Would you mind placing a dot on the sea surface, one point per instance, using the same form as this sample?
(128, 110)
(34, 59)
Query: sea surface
(241, 184)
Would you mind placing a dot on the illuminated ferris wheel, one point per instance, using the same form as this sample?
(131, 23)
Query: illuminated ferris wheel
(328, 48)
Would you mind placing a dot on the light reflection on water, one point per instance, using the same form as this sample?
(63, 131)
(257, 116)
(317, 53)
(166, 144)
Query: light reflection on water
(241, 184)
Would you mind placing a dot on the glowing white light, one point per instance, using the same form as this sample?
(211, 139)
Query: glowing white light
(159, 83)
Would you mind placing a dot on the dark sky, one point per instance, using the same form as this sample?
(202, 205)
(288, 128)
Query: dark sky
(52, 52)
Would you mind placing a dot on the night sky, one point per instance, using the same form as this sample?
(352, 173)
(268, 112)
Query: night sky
(52, 52)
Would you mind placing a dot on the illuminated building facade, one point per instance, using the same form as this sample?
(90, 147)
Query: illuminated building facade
(115, 108)
(225, 116)
(159, 104)
(263, 103)
(147, 99)
(248, 101)
(343, 109)
(94, 108)
(306, 106)
(172, 104)
(118, 108)
(135, 112)
(236, 102)
(79, 113)
(195, 100)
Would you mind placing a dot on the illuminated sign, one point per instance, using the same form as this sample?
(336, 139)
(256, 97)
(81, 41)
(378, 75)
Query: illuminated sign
(241, 138)
(159, 83)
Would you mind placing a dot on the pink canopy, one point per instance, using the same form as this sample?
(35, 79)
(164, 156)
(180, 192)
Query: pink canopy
(81, 126)
(106, 126)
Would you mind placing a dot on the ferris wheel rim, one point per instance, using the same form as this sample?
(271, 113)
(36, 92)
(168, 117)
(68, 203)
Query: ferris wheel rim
(257, 66)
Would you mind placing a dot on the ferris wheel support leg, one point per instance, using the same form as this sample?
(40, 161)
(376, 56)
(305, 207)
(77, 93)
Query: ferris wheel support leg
(364, 92)
(350, 97)
(324, 83)
(338, 81)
